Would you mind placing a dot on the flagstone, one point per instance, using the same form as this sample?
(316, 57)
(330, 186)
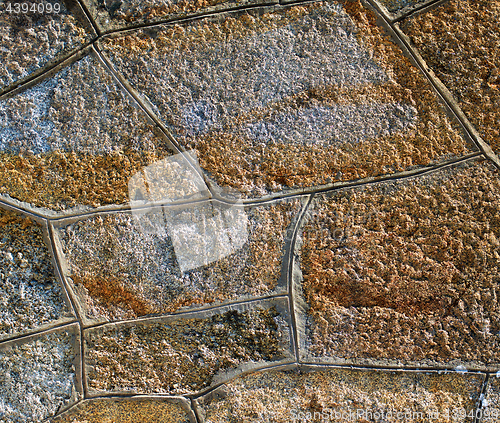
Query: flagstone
(459, 41)
(405, 272)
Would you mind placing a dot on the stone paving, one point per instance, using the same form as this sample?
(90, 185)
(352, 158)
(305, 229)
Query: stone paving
(249, 211)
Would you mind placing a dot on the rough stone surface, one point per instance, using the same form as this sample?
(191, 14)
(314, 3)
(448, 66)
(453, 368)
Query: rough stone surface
(110, 14)
(37, 378)
(31, 41)
(282, 397)
(491, 400)
(285, 99)
(406, 271)
(125, 411)
(183, 355)
(30, 295)
(123, 273)
(74, 139)
(459, 41)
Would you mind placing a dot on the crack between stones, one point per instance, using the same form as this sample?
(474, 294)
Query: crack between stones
(421, 8)
(479, 408)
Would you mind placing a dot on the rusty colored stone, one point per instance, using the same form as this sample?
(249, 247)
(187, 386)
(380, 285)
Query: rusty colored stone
(459, 41)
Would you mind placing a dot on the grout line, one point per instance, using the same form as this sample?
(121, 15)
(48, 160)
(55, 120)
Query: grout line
(37, 333)
(272, 198)
(290, 279)
(90, 18)
(194, 17)
(196, 411)
(479, 408)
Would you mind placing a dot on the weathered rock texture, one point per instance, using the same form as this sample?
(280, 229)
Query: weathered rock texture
(343, 395)
(125, 411)
(37, 378)
(491, 400)
(182, 355)
(30, 295)
(292, 98)
(406, 271)
(74, 140)
(120, 272)
(459, 41)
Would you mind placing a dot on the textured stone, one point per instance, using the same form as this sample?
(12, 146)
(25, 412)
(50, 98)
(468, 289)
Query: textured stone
(37, 377)
(31, 41)
(30, 295)
(74, 140)
(491, 400)
(406, 271)
(295, 97)
(183, 355)
(355, 395)
(122, 272)
(110, 14)
(125, 411)
(459, 41)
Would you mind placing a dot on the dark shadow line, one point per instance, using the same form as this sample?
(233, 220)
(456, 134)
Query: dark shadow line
(35, 332)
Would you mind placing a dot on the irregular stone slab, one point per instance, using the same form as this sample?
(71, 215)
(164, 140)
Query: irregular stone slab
(111, 14)
(459, 41)
(30, 295)
(120, 272)
(181, 355)
(38, 376)
(32, 41)
(395, 6)
(74, 140)
(405, 272)
(491, 400)
(344, 395)
(293, 97)
(125, 410)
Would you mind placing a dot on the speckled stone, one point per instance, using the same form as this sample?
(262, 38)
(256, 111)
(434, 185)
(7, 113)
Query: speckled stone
(31, 41)
(37, 378)
(344, 396)
(74, 140)
(121, 272)
(459, 41)
(114, 410)
(491, 400)
(183, 355)
(406, 271)
(395, 6)
(111, 14)
(290, 98)
(30, 295)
